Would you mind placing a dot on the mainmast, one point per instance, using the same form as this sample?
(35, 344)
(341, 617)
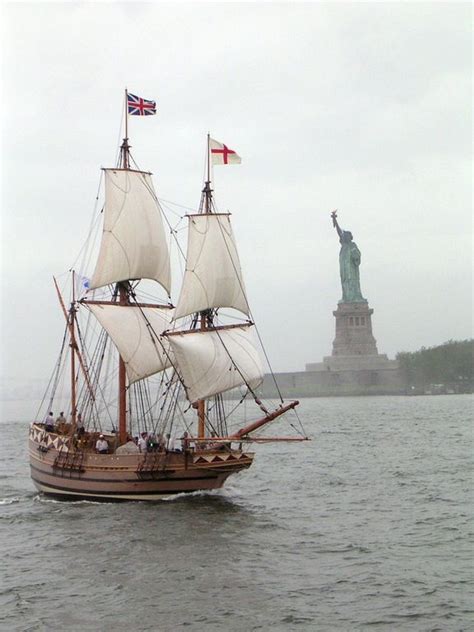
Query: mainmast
(133, 247)
(123, 300)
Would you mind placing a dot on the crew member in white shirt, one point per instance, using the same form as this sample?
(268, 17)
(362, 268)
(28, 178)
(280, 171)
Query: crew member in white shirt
(142, 442)
(101, 446)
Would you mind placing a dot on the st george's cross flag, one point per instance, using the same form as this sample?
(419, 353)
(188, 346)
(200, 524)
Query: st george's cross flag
(222, 155)
(137, 106)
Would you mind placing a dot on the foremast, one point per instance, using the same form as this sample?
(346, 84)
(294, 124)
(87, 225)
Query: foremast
(203, 321)
(205, 317)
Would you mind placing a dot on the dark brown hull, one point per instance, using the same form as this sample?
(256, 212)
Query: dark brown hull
(62, 472)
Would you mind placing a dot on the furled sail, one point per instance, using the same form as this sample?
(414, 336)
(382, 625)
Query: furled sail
(136, 332)
(216, 360)
(213, 277)
(134, 242)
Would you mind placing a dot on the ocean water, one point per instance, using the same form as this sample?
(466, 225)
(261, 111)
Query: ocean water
(367, 527)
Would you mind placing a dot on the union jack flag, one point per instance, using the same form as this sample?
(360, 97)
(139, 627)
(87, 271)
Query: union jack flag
(140, 107)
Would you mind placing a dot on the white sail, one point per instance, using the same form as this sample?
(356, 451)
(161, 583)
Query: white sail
(134, 242)
(213, 277)
(136, 332)
(215, 361)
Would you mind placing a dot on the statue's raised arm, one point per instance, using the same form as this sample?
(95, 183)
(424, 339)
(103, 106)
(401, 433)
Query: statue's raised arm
(349, 261)
(335, 224)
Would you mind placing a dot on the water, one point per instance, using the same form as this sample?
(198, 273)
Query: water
(365, 528)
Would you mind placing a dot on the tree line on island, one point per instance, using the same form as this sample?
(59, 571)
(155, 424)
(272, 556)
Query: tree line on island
(449, 366)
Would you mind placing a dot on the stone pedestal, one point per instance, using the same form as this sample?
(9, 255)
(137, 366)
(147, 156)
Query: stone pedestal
(355, 366)
(354, 330)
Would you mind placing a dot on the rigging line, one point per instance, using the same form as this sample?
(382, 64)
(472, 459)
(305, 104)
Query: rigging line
(239, 403)
(53, 375)
(161, 393)
(139, 407)
(175, 409)
(58, 367)
(86, 395)
(96, 361)
(94, 220)
(135, 162)
(172, 231)
(152, 404)
(300, 422)
(187, 208)
(146, 402)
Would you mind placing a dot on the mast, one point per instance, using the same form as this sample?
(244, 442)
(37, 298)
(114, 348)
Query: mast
(206, 205)
(123, 300)
(73, 346)
(123, 295)
(206, 202)
(201, 405)
(125, 147)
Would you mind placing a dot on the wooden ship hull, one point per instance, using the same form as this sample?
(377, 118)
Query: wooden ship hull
(59, 470)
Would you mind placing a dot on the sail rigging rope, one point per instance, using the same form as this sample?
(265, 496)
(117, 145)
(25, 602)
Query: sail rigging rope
(88, 245)
(53, 380)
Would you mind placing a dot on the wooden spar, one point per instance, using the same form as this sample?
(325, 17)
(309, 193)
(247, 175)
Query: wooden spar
(201, 405)
(210, 213)
(74, 348)
(197, 331)
(122, 382)
(148, 173)
(126, 113)
(208, 161)
(201, 418)
(86, 301)
(264, 420)
(211, 440)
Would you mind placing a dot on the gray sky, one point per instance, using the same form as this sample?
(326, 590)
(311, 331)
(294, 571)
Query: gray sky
(361, 107)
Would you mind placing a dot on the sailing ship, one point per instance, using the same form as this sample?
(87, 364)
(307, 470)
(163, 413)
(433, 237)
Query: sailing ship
(144, 378)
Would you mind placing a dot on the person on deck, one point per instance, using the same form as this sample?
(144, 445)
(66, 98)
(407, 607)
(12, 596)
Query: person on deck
(80, 425)
(184, 442)
(61, 419)
(161, 443)
(142, 442)
(101, 446)
(49, 422)
(169, 443)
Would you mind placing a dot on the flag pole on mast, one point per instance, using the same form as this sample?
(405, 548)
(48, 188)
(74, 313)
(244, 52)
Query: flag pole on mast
(126, 113)
(125, 146)
(208, 157)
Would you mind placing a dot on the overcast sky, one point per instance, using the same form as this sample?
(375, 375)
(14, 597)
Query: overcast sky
(361, 107)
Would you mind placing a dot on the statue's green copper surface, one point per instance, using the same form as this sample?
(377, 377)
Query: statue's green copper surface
(349, 262)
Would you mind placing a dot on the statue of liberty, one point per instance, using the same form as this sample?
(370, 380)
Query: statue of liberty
(349, 261)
